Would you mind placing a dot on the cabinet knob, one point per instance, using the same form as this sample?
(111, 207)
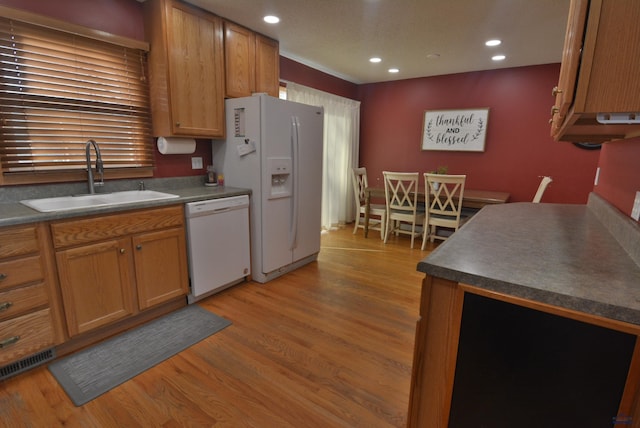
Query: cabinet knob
(5, 305)
(8, 341)
(178, 124)
(554, 110)
(3, 276)
(555, 91)
(138, 247)
(122, 251)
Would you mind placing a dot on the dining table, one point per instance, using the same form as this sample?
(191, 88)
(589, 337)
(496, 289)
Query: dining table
(471, 198)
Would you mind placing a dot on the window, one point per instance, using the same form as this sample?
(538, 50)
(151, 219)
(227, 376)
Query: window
(58, 90)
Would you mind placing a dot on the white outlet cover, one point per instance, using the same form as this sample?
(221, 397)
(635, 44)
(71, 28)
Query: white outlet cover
(196, 163)
(635, 212)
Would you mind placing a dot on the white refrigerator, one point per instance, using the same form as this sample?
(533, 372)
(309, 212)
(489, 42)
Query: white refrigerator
(275, 147)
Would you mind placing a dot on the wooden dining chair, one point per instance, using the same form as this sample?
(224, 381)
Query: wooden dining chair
(443, 202)
(401, 196)
(541, 188)
(378, 211)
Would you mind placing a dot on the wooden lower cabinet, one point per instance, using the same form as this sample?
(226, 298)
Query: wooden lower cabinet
(114, 267)
(96, 284)
(501, 360)
(26, 335)
(161, 269)
(30, 320)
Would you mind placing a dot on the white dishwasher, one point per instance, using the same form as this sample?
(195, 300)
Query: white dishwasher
(218, 244)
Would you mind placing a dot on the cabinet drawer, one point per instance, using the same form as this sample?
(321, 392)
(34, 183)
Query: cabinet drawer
(18, 241)
(76, 232)
(20, 271)
(20, 300)
(25, 335)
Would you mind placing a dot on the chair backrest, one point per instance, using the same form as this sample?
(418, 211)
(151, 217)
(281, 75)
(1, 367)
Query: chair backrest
(401, 191)
(359, 180)
(443, 194)
(541, 188)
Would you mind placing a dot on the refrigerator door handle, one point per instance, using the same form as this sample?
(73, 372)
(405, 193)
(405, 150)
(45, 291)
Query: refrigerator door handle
(293, 231)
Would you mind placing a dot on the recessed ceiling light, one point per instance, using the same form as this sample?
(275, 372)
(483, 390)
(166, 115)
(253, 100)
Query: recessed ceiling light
(494, 42)
(394, 70)
(498, 57)
(375, 59)
(271, 19)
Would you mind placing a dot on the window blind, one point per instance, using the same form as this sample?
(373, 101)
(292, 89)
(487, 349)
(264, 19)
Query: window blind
(57, 90)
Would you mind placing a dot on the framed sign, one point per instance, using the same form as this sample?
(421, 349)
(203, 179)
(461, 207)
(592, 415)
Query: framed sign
(455, 130)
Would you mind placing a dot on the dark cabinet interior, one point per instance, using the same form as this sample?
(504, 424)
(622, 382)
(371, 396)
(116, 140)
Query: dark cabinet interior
(518, 367)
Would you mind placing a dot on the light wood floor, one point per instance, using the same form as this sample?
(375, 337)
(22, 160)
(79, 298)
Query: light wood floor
(328, 345)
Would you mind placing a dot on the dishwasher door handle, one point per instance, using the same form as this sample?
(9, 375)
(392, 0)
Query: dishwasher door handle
(230, 208)
(206, 212)
(220, 210)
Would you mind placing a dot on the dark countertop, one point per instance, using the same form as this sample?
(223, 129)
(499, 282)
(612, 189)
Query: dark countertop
(568, 256)
(12, 212)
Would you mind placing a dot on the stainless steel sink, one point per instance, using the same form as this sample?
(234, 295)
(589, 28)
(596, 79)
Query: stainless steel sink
(66, 203)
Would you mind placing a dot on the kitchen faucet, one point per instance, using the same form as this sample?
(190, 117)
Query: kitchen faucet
(99, 165)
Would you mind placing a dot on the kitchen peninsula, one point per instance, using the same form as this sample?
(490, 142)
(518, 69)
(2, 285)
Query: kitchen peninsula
(522, 297)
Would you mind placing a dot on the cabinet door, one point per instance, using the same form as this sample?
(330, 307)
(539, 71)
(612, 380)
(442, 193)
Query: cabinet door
(599, 72)
(161, 266)
(196, 72)
(267, 66)
(239, 54)
(565, 90)
(95, 284)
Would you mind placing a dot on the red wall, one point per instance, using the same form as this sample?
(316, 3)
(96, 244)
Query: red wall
(619, 178)
(301, 74)
(518, 148)
(123, 18)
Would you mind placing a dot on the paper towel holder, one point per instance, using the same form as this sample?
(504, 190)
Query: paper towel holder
(175, 145)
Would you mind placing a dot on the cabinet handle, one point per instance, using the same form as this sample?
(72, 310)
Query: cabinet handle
(122, 251)
(138, 247)
(554, 110)
(555, 91)
(3, 276)
(5, 305)
(8, 341)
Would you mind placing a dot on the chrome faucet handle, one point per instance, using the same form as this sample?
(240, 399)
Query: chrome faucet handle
(141, 185)
(99, 165)
(100, 171)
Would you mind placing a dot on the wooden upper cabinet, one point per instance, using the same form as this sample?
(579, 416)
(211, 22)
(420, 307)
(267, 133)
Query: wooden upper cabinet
(239, 51)
(599, 72)
(267, 66)
(186, 70)
(252, 62)
(564, 91)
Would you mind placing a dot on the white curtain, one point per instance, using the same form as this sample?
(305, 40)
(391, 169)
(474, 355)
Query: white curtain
(341, 146)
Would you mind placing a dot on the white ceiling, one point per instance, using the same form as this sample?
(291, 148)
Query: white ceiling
(339, 36)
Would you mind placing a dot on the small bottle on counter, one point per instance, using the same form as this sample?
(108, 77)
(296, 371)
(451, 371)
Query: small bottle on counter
(211, 178)
(221, 179)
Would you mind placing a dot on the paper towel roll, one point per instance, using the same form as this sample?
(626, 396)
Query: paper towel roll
(175, 146)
